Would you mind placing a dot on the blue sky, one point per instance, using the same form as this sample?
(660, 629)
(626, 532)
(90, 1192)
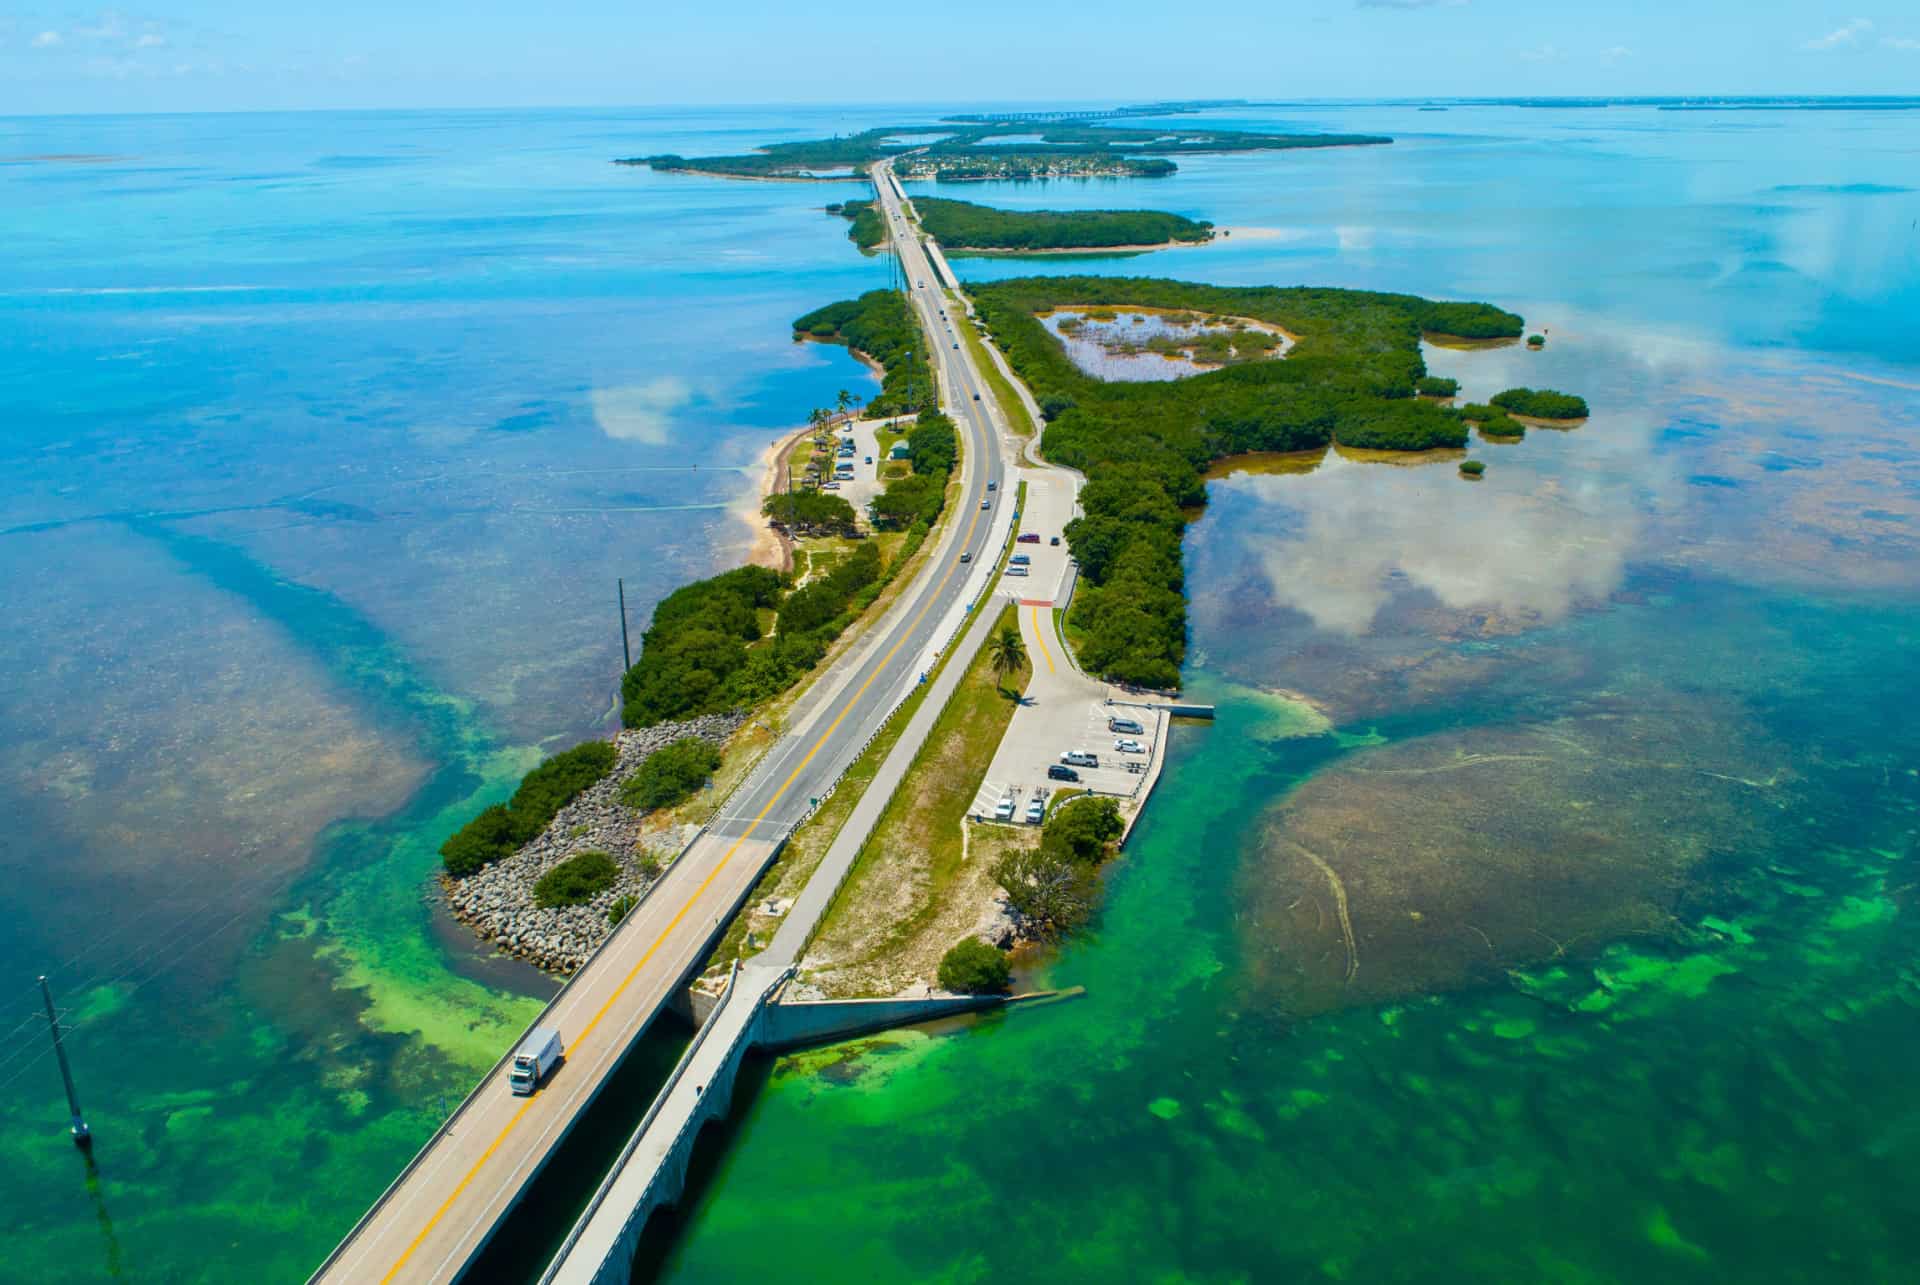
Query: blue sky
(226, 55)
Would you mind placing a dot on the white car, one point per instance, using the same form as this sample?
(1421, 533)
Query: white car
(1127, 745)
(1036, 810)
(1005, 811)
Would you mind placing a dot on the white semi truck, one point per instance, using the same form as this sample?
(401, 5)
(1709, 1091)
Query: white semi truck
(536, 1056)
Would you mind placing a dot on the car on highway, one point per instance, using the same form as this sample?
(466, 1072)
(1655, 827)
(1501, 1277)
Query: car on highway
(986, 504)
(1030, 537)
(1055, 772)
(976, 397)
(993, 486)
(956, 347)
(967, 556)
(869, 459)
(1127, 745)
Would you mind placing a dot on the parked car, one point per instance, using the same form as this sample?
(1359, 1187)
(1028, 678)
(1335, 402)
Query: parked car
(1055, 540)
(1004, 812)
(869, 459)
(1016, 571)
(1080, 758)
(1021, 559)
(1036, 809)
(1055, 772)
(1030, 537)
(829, 486)
(1125, 726)
(1127, 745)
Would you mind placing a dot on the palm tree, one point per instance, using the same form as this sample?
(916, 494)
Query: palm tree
(1006, 653)
(843, 399)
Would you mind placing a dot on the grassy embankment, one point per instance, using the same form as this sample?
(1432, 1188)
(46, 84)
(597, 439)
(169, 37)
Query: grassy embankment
(921, 877)
(1010, 403)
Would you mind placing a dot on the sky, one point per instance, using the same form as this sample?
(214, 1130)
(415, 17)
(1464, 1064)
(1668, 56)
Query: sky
(243, 55)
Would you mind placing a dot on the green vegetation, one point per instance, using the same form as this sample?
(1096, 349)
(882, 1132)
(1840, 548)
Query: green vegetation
(621, 907)
(1473, 468)
(962, 225)
(1006, 652)
(1536, 341)
(933, 444)
(1351, 378)
(869, 229)
(880, 324)
(671, 773)
(576, 881)
(967, 152)
(1541, 403)
(1437, 386)
(972, 967)
(1054, 887)
(1493, 421)
(810, 513)
(913, 502)
(694, 655)
(502, 828)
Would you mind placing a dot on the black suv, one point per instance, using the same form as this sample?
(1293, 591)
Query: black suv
(1061, 772)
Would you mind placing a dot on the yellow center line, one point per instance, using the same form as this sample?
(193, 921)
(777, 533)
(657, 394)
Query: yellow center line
(1042, 638)
(680, 914)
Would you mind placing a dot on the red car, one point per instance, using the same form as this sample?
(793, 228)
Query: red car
(1029, 537)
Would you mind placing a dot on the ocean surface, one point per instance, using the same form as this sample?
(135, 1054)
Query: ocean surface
(328, 435)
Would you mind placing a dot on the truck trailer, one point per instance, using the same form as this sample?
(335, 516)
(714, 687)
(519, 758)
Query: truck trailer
(536, 1056)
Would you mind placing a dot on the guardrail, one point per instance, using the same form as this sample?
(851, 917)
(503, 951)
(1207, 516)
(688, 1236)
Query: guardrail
(646, 1122)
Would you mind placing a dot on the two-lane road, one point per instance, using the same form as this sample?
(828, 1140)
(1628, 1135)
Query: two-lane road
(447, 1203)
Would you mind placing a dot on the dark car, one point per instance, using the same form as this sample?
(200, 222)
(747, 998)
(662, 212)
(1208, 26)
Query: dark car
(1061, 772)
(1055, 540)
(976, 397)
(1031, 537)
(967, 557)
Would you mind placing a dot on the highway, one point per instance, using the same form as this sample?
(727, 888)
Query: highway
(446, 1204)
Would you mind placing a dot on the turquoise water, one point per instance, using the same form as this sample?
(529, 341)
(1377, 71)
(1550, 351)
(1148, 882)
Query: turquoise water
(329, 434)
(1610, 751)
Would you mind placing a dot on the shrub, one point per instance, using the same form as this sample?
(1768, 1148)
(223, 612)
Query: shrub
(1437, 386)
(671, 773)
(576, 881)
(1542, 403)
(1051, 891)
(622, 905)
(1536, 341)
(500, 829)
(1472, 468)
(1082, 828)
(973, 967)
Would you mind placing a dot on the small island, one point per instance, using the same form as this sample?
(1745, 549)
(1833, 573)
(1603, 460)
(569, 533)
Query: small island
(956, 152)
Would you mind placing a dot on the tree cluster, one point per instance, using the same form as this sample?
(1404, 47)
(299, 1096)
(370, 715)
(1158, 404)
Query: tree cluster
(1054, 887)
(1437, 386)
(1351, 379)
(868, 229)
(501, 829)
(810, 513)
(963, 225)
(671, 773)
(933, 445)
(695, 652)
(880, 324)
(1541, 403)
(576, 881)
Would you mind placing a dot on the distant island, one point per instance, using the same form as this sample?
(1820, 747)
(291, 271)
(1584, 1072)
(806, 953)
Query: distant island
(948, 152)
(963, 225)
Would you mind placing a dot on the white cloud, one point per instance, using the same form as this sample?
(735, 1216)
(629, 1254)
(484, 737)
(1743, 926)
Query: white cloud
(641, 412)
(46, 40)
(1545, 53)
(1841, 37)
(1615, 54)
(1905, 44)
(151, 40)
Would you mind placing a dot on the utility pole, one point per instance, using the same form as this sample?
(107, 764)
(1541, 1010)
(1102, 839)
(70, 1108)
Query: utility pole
(82, 1136)
(626, 651)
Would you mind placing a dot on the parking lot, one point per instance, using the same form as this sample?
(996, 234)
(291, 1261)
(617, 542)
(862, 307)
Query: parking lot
(1039, 735)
